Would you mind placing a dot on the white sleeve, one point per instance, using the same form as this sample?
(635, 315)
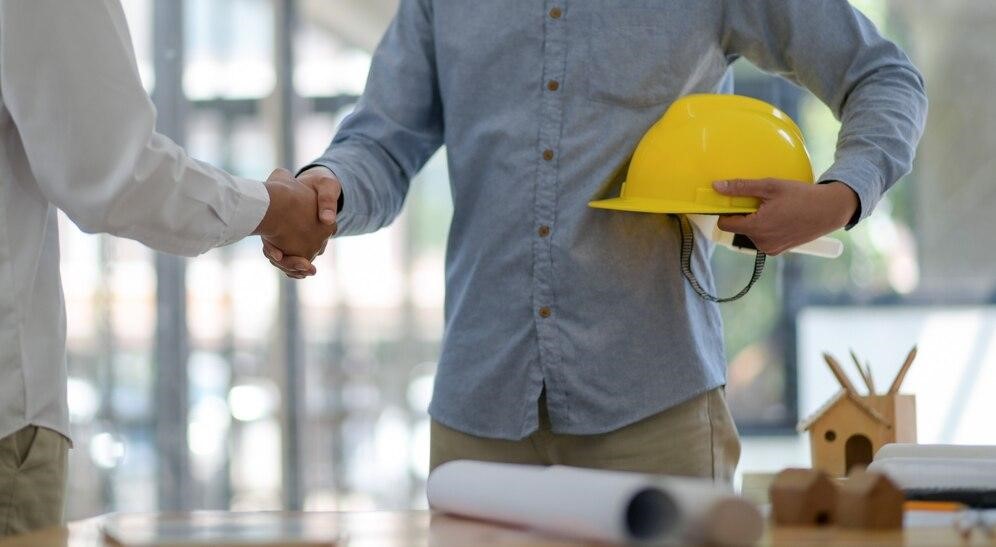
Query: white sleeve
(69, 79)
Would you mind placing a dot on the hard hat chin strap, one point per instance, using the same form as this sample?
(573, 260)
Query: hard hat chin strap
(688, 247)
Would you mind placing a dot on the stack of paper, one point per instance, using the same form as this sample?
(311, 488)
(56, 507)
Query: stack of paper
(595, 505)
(965, 474)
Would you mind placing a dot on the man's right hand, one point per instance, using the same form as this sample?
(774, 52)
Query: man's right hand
(295, 221)
(327, 189)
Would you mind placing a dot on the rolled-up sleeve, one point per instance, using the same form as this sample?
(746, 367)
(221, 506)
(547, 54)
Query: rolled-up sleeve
(871, 86)
(396, 127)
(70, 82)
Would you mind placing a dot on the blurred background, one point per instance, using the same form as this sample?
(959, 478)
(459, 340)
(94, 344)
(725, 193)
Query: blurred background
(213, 383)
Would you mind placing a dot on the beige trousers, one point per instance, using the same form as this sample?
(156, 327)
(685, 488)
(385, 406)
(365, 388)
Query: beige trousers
(32, 480)
(697, 438)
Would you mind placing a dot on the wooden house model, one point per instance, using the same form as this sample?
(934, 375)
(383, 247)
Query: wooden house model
(803, 497)
(847, 430)
(869, 501)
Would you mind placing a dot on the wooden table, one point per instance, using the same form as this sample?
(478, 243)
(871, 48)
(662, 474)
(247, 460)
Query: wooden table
(421, 528)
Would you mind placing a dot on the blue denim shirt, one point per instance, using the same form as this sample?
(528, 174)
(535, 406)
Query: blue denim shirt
(540, 104)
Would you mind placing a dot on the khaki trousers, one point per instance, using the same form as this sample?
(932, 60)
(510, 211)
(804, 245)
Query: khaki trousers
(697, 438)
(32, 480)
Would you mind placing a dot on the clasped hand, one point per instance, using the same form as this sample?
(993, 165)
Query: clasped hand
(299, 222)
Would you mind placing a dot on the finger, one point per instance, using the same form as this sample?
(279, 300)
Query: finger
(294, 265)
(282, 268)
(272, 252)
(328, 190)
(297, 264)
(296, 274)
(762, 188)
(737, 224)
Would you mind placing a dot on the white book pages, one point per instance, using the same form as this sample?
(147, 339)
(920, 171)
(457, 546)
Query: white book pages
(595, 505)
(926, 467)
(938, 473)
(950, 451)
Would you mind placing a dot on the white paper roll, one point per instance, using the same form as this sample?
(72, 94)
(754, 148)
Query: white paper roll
(595, 505)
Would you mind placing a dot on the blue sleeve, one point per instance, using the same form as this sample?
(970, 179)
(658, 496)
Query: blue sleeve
(867, 81)
(396, 127)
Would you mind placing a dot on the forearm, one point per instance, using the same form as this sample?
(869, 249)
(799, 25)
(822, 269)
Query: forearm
(882, 121)
(396, 127)
(866, 81)
(88, 131)
(374, 187)
(176, 204)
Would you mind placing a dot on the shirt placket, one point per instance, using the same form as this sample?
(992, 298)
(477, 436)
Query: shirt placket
(549, 158)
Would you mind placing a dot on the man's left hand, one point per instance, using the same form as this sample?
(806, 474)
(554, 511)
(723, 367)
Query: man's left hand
(791, 213)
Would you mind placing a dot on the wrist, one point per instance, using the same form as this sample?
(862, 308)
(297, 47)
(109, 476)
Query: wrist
(845, 200)
(268, 226)
(316, 169)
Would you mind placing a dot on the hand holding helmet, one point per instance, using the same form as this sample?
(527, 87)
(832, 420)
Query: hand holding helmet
(790, 214)
(742, 159)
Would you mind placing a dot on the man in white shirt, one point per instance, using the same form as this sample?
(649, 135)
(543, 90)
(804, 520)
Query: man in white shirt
(77, 134)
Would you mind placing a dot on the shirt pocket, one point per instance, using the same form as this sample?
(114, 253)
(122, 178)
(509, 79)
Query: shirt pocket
(629, 57)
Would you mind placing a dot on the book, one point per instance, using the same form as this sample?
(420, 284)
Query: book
(957, 473)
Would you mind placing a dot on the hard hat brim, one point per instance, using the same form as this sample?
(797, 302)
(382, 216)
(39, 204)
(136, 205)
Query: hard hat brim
(663, 206)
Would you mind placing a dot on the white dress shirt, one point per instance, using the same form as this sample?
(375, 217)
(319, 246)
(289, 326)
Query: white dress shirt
(77, 133)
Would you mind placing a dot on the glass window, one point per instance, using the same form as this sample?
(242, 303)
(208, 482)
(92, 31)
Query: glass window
(229, 49)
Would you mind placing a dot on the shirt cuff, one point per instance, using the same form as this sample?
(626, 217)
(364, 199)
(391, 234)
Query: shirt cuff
(253, 201)
(861, 176)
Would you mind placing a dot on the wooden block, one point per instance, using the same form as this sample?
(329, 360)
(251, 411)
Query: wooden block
(869, 501)
(803, 497)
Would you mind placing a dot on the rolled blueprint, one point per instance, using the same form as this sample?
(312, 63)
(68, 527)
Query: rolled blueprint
(595, 505)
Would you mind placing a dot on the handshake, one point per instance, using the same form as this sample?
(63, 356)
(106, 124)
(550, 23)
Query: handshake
(300, 220)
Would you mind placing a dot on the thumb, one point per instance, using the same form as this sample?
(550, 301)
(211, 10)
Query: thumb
(328, 191)
(735, 224)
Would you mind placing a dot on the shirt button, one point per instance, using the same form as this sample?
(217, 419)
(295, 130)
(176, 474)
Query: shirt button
(555, 13)
(543, 231)
(553, 85)
(548, 154)
(545, 312)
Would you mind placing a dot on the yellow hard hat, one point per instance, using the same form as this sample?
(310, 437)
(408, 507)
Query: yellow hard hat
(706, 138)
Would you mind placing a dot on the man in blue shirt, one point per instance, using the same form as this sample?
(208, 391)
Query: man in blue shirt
(540, 105)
